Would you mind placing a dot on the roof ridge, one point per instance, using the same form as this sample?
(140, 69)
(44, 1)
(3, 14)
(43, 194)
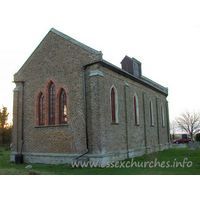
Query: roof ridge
(75, 41)
(143, 79)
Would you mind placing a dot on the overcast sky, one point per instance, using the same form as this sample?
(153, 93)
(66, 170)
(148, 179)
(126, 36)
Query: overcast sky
(163, 35)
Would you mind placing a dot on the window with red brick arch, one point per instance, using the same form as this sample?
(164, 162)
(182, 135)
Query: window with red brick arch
(62, 107)
(52, 104)
(41, 110)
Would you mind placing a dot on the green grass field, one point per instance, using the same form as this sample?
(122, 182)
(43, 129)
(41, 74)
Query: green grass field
(168, 162)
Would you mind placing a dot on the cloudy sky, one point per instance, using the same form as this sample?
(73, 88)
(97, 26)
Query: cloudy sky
(163, 35)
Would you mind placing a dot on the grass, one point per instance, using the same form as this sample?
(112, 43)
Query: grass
(168, 161)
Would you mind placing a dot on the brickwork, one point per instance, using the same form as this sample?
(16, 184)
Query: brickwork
(46, 96)
(60, 59)
(116, 135)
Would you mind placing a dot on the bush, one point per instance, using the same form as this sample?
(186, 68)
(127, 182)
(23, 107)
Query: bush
(6, 135)
(198, 137)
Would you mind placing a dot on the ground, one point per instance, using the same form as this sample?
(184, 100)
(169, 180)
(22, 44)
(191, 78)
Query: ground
(174, 161)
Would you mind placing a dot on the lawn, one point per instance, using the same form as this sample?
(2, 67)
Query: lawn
(168, 162)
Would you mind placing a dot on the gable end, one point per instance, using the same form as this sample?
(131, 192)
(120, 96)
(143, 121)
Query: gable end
(76, 42)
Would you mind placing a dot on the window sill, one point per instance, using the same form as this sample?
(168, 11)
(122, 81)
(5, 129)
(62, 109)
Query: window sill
(136, 125)
(114, 123)
(46, 126)
(151, 125)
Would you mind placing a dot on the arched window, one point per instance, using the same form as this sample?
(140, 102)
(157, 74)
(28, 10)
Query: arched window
(114, 105)
(136, 109)
(151, 113)
(41, 109)
(52, 104)
(162, 115)
(62, 108)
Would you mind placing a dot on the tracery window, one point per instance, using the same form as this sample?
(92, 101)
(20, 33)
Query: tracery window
(52, 104)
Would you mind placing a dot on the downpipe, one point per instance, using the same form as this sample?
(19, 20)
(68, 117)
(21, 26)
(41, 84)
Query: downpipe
(22, 133)
(85, 106)
(19, 157)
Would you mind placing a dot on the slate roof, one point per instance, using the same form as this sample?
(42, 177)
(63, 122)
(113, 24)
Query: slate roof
(143, 80)
(76, 42)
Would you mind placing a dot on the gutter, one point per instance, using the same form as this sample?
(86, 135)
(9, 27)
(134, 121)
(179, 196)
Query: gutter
(144, 81)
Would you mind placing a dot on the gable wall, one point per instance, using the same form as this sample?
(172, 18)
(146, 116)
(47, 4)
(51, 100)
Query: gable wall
(58, 59)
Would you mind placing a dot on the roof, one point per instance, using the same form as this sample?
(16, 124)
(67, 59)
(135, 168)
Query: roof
(76, 42)
(143, 80)
(81, 45)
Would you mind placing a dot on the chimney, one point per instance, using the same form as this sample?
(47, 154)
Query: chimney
(132, 66)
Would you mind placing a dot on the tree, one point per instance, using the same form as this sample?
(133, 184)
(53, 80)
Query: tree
(3, 117)
(5, 129)
(189, 123)
(173, 130)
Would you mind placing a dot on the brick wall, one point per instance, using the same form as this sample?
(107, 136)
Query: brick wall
(59, 60)
(114, 137)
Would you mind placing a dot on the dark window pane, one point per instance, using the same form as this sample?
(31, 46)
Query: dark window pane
(52, 104)
(135, 110)
(63, 107)
(113, 106)
(41, 110)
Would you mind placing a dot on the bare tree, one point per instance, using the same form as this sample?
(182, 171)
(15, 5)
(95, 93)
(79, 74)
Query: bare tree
(173, 128)
(189, 123)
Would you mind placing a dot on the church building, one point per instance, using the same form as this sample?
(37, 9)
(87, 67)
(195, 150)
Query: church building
(70, 103)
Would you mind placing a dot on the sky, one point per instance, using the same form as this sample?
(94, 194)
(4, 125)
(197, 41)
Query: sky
(163, 35)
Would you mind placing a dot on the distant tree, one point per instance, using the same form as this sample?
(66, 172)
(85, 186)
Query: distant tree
(3, 117)
(5, 129)
(172, 130)
(7, 135)
(189, 123)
